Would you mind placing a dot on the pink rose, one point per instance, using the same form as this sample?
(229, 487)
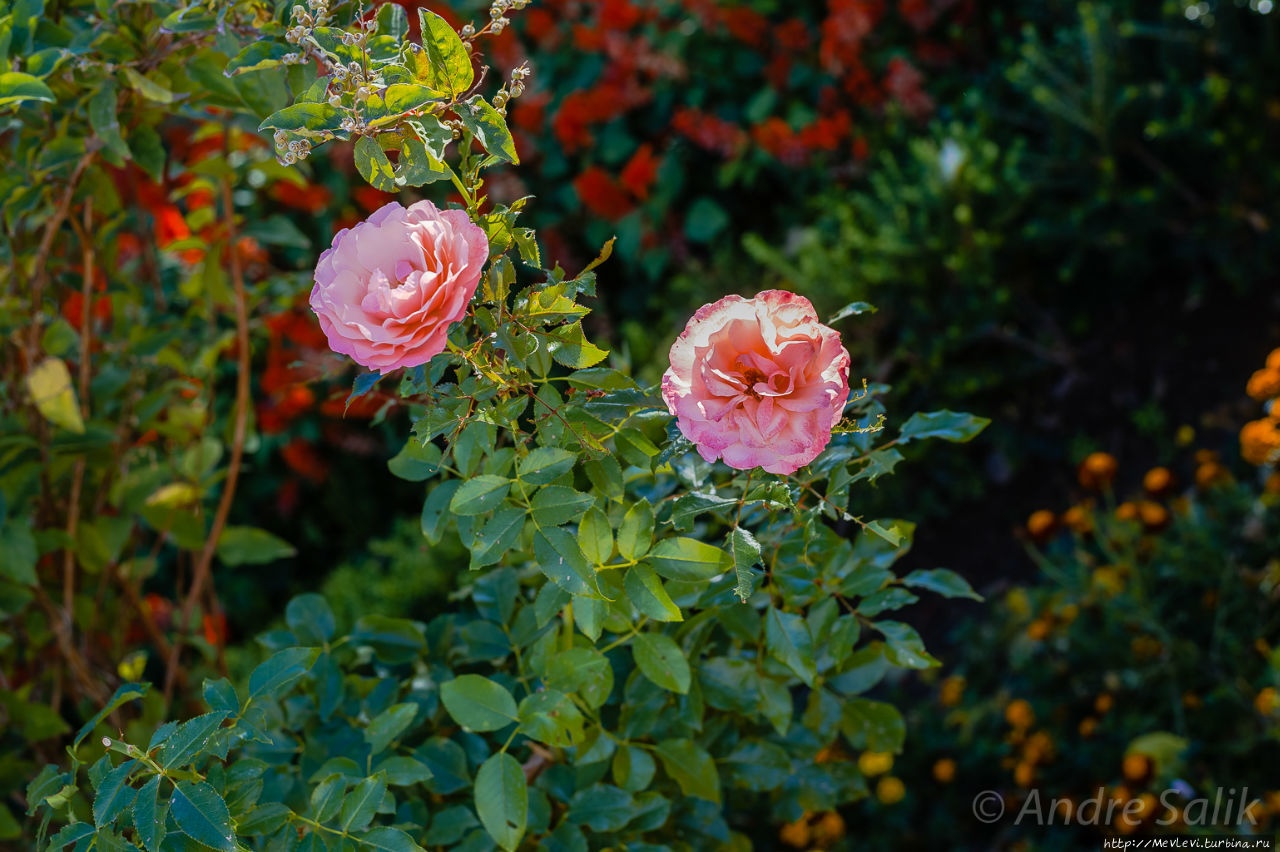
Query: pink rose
(758, 382)
(388, 289)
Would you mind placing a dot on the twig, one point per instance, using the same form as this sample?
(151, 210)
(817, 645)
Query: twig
(86, 342)
(203, 567)
(42, 254)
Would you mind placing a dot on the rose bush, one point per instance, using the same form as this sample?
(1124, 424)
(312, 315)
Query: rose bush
(649, 649)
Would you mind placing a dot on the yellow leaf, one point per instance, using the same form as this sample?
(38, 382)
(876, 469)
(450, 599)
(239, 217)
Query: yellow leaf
(50, 387)
(175, 495)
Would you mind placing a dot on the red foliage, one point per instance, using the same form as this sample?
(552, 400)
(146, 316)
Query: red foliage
(905, 84)
(309, 198)
(303, 459)
(640, 171)
(602, 194)
(709, 131)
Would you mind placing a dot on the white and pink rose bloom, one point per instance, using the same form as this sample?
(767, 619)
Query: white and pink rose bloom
(758, 382)
(387, 290)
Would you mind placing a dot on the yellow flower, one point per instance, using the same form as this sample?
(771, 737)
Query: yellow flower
(1108, 580)
(872, 763)
(828, 829)
(1025, 774)
(1103, 703)
(795, 834)
(1018, 603)
(944, 770)
(890, 790)
(1039, 629)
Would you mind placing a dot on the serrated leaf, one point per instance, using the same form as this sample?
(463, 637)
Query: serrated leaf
(497, 537)
(239, 545)
(384, 838)
(310, 619)
(873, 725)
(373, 165)
(313, 117)
(595, 536)
(635, 533)
(202, 815)
(479, 494)
(746, 554)
(489, 127)
(560, 558)
(544, 465)
(188, 739)
(149, 815)
(263, 53)
(114, 795)
(125, 693)
(148, 88)
(444, 64)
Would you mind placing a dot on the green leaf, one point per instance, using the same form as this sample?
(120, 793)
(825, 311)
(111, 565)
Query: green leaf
(384, 838)
(416, 461)
(662, 661)
(310, 619)
(252, 546)
(401, 98)
(684, 558)
(105, 122)
(550, 717)
(948, 425)
(124, 694)
(221, 695)
(264, 819)
(16, 86)
(148, 815)
(114, 794)
(746, 554)
(947, 583)
(18, 552)
(317, 118)
(561, 560)
(645, 590)
(585, 671)
(788, 640)
(49, 384)
(480, 494)
(202, 815)
(635, 535)
(388, 725)
(570, 347)
(554, 505)
(873, 725)
(904, 646)
(595, 536)
(394, 640)
(601, 808)
(691, 767)
(478, 704)
(489, 127)
(852, 309)
(502, 799)
(280, 670)
(260, 54)
(148, 88)
(373, 165)
(188, 740)
(418, 166)
(544, 465)
(445, 64)
(496, 538)
(362, 802)
(888, 531)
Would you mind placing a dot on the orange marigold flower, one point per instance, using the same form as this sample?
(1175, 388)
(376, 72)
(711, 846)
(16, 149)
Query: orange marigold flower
(796, 834)
(944, 770)
(1127, 511)
(1078, 519)
(951, 691)
(1041, 524)
(1260, 441)
(1019, 714)
(1154, 516)
(1264, 384)
(1097, 470)
(1273, 360)
(1158, 480)
(1210, 474)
